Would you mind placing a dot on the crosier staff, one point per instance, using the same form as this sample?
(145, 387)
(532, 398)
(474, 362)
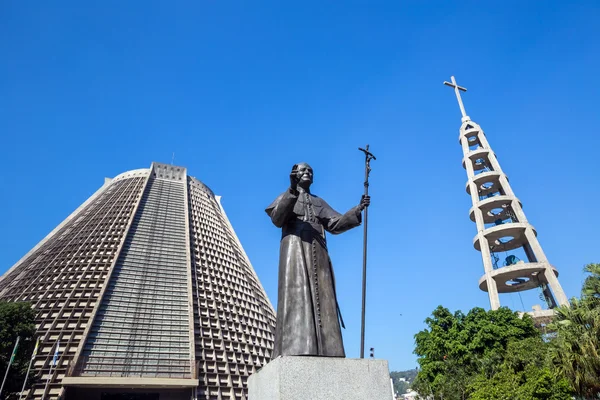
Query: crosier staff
(368, 157)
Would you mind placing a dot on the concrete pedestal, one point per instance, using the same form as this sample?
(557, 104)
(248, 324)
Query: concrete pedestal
(321, 378)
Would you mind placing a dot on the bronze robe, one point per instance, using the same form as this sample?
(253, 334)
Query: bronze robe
(307, 307)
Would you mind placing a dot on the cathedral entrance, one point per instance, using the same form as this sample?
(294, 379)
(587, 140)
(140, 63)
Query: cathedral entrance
(129, 396)
(131, 392)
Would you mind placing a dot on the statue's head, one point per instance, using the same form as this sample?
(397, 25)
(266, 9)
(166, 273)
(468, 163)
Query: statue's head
(304, 174)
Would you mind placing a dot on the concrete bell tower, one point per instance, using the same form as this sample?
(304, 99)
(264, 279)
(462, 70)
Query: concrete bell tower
(503, 231)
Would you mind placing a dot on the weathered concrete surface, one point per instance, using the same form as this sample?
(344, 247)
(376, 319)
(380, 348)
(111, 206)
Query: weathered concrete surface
(321, 378)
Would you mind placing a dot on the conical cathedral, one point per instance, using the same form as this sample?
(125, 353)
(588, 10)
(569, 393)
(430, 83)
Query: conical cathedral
(144, 293)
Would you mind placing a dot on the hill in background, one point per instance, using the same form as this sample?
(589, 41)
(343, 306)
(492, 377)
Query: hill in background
(402, 380)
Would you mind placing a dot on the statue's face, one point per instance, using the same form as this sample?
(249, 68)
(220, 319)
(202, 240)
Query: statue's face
(305, 175)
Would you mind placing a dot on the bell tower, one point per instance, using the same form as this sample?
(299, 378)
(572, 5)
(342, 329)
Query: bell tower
(513, 259)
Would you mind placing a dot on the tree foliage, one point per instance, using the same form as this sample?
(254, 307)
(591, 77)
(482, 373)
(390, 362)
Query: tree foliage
(495, 355)
(16, 319)
(484, 355)
(576, 348)
(525, 373)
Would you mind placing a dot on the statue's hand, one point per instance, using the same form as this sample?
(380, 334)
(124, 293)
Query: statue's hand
(365, 201)
(294, 183)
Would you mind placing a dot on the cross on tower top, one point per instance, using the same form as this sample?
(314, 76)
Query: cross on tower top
(457, 90)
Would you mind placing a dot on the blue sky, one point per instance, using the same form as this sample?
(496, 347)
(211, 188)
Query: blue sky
(240, 91)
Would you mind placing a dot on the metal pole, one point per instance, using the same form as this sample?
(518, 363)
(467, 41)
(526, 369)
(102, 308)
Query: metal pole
(52, 365)
(35, 350)
(29, 368)
(47, 382)
(368, 157)
(25, 381)
(12, 357)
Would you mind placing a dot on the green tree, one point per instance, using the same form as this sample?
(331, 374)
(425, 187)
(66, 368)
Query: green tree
(456, 348)
(485, 355)
(576, 348)
(16, 319)
(495, 355)
(525, 374)
(591, 287)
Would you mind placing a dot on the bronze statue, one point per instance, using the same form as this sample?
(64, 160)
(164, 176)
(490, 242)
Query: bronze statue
(308, 315)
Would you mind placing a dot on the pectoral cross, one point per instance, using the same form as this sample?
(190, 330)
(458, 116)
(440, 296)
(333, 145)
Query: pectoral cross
(457, 90)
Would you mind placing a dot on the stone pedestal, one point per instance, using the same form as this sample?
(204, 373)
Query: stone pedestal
(321, 378)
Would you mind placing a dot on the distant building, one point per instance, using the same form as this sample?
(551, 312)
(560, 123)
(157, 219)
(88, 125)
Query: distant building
(146, 292)
(412, 395)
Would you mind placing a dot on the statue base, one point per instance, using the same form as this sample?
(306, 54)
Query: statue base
(321, 378)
